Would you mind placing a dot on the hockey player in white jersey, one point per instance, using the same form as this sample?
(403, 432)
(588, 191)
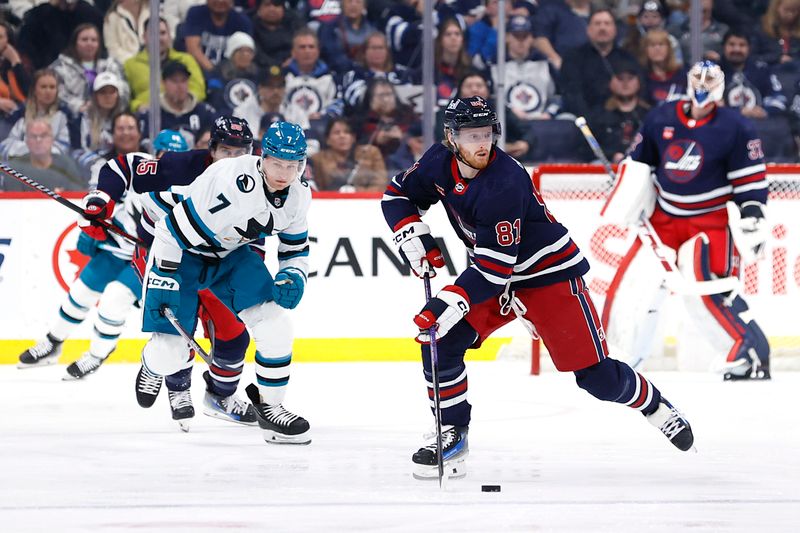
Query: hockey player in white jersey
(108, 277)
(201, 238)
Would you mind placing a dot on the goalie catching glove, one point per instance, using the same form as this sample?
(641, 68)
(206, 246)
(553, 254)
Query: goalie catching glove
(418, 248)
(749, 230)
(97, 206)
(443, 312)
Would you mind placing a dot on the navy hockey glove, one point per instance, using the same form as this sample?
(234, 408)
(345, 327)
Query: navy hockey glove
(87, 245)
(163, 290)
(97, 206)
(443, 312)
(288, 288)
(418, 248)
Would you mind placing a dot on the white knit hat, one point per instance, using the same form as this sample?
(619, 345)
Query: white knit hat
(236, 41)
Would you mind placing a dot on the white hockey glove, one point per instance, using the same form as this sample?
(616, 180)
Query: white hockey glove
(443, 312)
(749, 230)
(417, 246)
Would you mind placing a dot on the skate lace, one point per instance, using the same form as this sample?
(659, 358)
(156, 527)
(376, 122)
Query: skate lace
(180, 399)
(150, 383)
(448, 439)
(87, 363)
(236, 406)
(278, 415)
(41, 349)
(673, 425)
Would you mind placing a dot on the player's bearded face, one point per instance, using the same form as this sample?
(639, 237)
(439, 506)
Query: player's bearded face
(475, 145)
(280, 173)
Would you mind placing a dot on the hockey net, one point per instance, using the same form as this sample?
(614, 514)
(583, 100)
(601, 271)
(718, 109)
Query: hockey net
(771, 286)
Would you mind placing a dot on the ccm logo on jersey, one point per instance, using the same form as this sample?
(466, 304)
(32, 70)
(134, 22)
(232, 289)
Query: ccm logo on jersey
(157, 282)
(682, 160)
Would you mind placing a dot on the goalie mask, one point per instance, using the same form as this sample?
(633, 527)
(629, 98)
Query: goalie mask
(705, 83)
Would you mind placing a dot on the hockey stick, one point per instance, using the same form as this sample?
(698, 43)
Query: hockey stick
(167, 312)
(63, 201)
(647, 234)
(437, 406)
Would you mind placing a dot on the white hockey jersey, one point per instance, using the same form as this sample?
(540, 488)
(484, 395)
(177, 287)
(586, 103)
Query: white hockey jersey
(226, 207)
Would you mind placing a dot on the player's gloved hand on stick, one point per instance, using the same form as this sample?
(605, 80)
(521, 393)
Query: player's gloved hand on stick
(754, 230)
(443, 312)
(87, 245)
(288, 288)
(97, 206)
(416, 245)
(163, 290)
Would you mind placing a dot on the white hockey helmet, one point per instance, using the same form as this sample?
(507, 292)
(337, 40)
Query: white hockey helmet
(705, 83)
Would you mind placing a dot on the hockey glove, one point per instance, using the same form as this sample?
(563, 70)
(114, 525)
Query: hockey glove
(752, 232)
(97, 206)
(418, 248)
(163, 290)
(443, 312)
(288, 288)
(87, 245)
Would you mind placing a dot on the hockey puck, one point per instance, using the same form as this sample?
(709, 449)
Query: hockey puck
(490, 488)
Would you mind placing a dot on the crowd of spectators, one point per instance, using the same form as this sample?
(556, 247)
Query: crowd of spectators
(75, 75)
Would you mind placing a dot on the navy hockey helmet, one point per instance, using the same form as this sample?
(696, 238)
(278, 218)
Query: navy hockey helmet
(230, 131)
(471, 112)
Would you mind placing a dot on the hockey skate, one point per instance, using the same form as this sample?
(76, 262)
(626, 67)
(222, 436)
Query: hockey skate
(673, 425)
(182, 409)
(279, 425)
(43, 353)
(84, 366)
(455, 448)
(229, 408)
(148, 386)
(742, 369)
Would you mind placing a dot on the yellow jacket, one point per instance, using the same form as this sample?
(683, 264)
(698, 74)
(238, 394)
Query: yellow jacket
(137, 70)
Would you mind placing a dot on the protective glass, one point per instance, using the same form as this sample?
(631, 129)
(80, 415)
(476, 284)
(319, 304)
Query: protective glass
(223, 151)
(475, 136)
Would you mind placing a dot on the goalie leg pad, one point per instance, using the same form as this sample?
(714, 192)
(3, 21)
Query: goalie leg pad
(614, 381)
(271, 328)
(115, 304)
(165, 354)
(633, 193)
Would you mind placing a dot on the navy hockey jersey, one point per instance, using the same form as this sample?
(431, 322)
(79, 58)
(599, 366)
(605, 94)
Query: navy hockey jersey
(498, 215)
(701, 164)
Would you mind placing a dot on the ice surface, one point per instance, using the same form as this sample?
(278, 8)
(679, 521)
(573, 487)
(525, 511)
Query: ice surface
(82, 456)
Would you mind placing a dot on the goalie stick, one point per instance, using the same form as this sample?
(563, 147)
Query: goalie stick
(22, 178)
(437, 405)
(647, 234)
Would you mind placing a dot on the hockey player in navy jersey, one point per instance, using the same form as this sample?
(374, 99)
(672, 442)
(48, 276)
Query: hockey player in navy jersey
(137, 174)
(705, 156)
(202, 233)
(524, 263)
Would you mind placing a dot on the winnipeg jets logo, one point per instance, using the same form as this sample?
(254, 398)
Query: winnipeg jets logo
(683, 160)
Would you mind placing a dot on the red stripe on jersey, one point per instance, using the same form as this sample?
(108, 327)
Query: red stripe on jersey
(504, 270)
(224, 373)
(752, 178)
(407, 220)
(643, 389)
(555, 258)
(393, 189)
(714, 202)
(449, 392)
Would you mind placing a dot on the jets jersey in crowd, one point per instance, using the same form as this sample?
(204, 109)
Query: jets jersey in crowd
(701, 164)
(228, 206)
(500, 217)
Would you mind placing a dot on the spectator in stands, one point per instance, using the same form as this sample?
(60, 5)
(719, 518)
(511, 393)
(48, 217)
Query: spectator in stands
(180, 110)
(404, 29)
(561, 26)
(56, 171)
(42, 102)
(410, 151)
(652, 16)
(14, 81)
(712, 33)
(268, 100)
(47, 28)
(107, 101)
(482, 35)
(778, 43)
(451, 59)
(343, 39)
(344, 166)
(126, 137)
(202, 139)
(617, 121)
(530, 87)
(79, 65)
(377, 63)
(311, 89)
(137, 69)
(234, 79)
(587, 69)
(750, 85)
(207, 29)
(321, 11)
(384, 120)
(665, 76)
(273, 28)
(123, 28)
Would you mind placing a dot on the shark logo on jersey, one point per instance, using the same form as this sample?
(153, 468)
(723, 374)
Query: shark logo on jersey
(245, 182)
(255, 230)
(683, 160)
